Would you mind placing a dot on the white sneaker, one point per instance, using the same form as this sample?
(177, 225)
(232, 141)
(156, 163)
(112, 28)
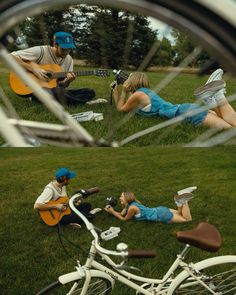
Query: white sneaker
(97, 101)
(206, 93)
(182, 199)
(216, 75)
(95, 210)
(187, 190)
(219, 96)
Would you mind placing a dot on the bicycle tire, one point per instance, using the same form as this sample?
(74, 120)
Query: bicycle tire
(218, 273)
(200, 13)
(212, 30)
(97, 286)
(208, 27)
(4, 5)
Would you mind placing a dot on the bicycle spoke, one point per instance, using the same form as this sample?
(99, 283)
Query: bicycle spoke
(222, 282)
(96, 287)
(166, 81)
(113, 125)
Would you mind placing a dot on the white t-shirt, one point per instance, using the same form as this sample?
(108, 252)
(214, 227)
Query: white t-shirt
(43, 55)
(51, 192)
(147, 108)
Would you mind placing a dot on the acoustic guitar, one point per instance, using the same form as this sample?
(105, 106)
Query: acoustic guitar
(52, 217)
(54, 72)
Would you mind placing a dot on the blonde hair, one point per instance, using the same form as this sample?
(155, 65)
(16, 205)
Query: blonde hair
(137, 80)
(129, 196)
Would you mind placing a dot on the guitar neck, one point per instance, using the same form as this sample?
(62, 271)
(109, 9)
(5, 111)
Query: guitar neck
(61, 75)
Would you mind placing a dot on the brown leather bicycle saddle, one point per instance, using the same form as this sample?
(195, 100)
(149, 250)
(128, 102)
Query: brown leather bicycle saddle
(205, 236)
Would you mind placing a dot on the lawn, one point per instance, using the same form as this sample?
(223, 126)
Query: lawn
(31, 255)
(180, 90)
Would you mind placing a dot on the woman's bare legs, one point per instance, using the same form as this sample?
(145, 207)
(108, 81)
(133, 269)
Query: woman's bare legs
(183, 214)
(214, 121)
(223, 116)
(227, 112)
(226, 115)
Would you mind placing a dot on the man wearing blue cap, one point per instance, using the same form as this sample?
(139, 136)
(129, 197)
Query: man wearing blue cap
(58, 54)
(57, 189)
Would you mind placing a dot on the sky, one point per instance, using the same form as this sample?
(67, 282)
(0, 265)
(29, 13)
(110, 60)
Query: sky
(163, 29)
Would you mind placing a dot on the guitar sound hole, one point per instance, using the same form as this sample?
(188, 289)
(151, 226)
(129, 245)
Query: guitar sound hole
(49, 75)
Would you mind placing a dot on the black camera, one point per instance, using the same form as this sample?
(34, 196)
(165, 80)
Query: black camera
(111, 201)
(121, 77)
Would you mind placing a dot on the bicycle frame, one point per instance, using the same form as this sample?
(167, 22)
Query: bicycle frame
(125, 277)
(160, 286)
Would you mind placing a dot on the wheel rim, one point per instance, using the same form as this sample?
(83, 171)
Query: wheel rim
(220, 278)
(224, 51)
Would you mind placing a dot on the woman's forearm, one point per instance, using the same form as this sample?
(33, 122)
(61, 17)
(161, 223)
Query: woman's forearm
(118, 215)
(119, 100)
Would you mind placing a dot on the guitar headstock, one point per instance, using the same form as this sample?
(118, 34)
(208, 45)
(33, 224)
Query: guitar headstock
(102, 73)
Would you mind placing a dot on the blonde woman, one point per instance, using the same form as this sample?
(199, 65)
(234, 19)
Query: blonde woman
(133, 209)
(137, 96)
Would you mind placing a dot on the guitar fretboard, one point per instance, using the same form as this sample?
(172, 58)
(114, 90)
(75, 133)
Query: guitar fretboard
(60, 75)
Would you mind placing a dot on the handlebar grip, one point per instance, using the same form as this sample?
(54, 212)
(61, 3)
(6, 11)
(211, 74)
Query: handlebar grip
(141, 254)
(92, 190)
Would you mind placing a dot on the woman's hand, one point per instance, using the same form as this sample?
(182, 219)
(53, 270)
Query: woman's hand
(118, 215)
(109, 209)
(126, 86)
(115, 90)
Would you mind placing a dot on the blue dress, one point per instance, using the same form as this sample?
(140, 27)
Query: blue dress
(162, 108)
(161, 213)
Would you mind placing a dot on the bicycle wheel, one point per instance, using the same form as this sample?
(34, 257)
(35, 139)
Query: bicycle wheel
(218, 274)
(96, 286)
(209, 24)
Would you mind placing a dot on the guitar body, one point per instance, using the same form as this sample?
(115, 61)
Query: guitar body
(53, 216)
(20, 88)
(54, 71)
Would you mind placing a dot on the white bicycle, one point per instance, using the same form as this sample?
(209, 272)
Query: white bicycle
(210, 23)
(215, 275)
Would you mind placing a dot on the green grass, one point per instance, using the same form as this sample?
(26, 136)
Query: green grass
(31, 255)
(180, 90)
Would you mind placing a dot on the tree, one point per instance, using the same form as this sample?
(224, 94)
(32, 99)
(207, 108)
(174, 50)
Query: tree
(165, 53)
(184, 46)
(104, 37)
(115, 38)
(39, 30)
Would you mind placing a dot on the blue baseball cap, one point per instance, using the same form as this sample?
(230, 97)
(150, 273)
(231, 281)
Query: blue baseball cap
(64, 40)
(65, 172)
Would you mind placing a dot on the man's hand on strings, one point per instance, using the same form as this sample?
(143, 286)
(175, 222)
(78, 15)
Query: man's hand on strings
(40, 73)
(70, 76)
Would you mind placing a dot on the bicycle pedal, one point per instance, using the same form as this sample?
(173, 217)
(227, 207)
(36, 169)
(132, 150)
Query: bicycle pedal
(111, 233)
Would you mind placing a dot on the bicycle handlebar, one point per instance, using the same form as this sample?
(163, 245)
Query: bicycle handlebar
(141, 253)
(92, 190)
(91, 228)
(85, 193)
